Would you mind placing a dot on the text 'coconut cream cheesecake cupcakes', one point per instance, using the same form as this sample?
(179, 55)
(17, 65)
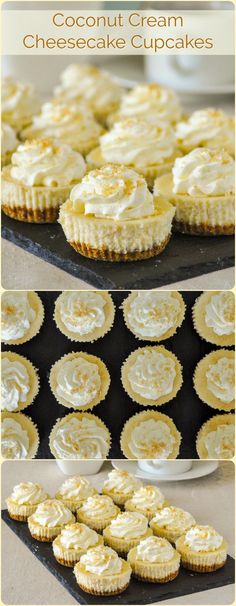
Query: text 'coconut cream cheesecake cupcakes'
(19, 382)
(80, 435)
(112, 216)
(97, 512)
(146, 500)
(214, 317)
(150, 435)
(74, 491)
(49, 519)
(214, 379)
(84, 316)
(120, 486)
(73, 541)
(73, 124)
(202, 549)
(154, 560)
(151, 375)
(24, 500)
(101, 572)
(126, 531)
(9, 143)
(96, 87)
(150, 150)
(210, 127)
(216, 438)
(19, 436)
(171, 522)
(39, 179)
(19, 103)
(22, 315)
(153, 315)
(150, 102)
(201, 187)
(79, 380)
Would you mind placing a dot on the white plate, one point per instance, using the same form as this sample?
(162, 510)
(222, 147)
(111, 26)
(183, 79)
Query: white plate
(198, 470)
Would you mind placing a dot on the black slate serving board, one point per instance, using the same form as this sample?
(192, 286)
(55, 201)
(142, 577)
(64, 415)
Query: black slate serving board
(138, 592)
(186, 410)
(185, 257)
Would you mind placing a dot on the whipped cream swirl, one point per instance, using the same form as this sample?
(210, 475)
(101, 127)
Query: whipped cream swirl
(82, 311)
(78, 381)
(174, 519)
(76, 488)
(152, 375)
(81, 439)
(148, 498)
(155, 549)
(9, 139)
(151, 102)
(114, 192)
(220, 442)
(28, 493)
(101, 560)
(15, 384)
(14, 440)
(204, 172)
(46, 162)
(220, 312)
(99, 506)
(17, 315)
(138, 143)
(19, 102)
(211, 128)
(78, 536)
(151, 439)
(52, 513)
(129, 525)
(121, 481)
(203, 538)
(153, 313)
(220, 379)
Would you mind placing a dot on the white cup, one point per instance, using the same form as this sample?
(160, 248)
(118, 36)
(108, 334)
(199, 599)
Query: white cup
(158, 467)
(85, 468)
(191, 74)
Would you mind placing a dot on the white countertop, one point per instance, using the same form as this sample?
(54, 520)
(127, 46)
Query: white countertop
(26, 581)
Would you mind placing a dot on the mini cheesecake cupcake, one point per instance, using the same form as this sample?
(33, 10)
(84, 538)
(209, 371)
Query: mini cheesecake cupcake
(126, 531)
(97, 512)
(74, 491)
(49, 519)
(96, 87)
(22, 315)
(84, 316)
(101, 572)
(19, 436)
(216, 438)
(19, 103)
(153, 315)
(148, 149)
(211, 128)
(214, 317)
(214, 379)
(154, 560)
(9, 143)
(39, 179)
(19, 382)
(150, 435)
(112, 216)
(80, 435)
(72, 124)
(120, 485)
(146, 500)
(171, 523)
(149, 101)
(24, 500)
(202, 549)
(73, 541)
(151, 375)
(201, 188)
(79, 380)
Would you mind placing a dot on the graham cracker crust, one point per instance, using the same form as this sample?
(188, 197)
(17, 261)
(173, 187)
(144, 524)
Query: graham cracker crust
(199, 568)
(65, 562)
(94, 592)
(49, 215)
(18, 518)
(203, 229)
(109, 255)
(42, 539)
(170, 577)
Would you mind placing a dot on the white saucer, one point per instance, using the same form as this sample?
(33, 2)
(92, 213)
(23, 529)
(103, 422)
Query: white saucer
(221, 89)
(198, 470)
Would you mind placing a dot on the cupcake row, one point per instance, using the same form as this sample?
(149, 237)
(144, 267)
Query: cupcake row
(85, 316)
(146, 435)
(149, 539)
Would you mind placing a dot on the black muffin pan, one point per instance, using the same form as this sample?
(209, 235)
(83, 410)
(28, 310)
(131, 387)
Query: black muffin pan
(186, 409)
(138, 592)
